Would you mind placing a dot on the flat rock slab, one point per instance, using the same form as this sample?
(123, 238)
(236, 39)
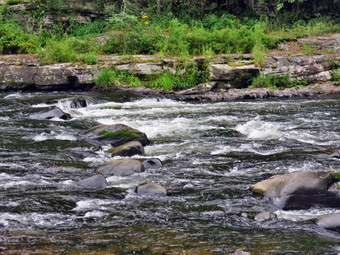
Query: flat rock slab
(121, 167)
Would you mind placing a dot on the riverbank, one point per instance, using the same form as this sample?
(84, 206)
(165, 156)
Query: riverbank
(227, 77)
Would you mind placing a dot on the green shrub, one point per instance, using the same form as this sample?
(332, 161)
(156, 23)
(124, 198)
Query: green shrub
(89, 58)
(59, 52)
(13, 39)
(336, 77)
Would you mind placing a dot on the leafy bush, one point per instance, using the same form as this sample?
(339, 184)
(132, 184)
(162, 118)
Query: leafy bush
(89, 58)
(59, 52)
(13, 39)
(336, 77)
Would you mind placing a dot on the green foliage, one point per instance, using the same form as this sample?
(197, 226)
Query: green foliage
(110, 77)
(13, 39)
(89, 58)
(59, 52)
(259, 55)
(187, 75)
(274, 82)
(336, 76)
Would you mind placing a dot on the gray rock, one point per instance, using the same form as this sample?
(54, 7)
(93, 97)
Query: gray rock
(299, 190)
(129, 149)
(151, 189)
(152, 163)
(116, 135)
(240, 252)
(330, 221)
(121, 167)
(96, 182)
(265, 216)
(238, 76)
(49, 113)
(141, 68)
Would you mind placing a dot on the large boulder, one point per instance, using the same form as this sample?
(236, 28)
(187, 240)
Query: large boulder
(150, 189)
(116, 135)
(121, 167)
(129, 149)
(50, 113)
(299, 190)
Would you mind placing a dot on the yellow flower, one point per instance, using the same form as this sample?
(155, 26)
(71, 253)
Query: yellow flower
(145, 16)
(146, 22)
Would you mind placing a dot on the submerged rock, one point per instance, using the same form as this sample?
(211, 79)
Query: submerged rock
(121, 167)
(152, 163)
(116, 135)
(150, 189)
(50, 113)
(299, 190)
(128, 149)
(96, 182)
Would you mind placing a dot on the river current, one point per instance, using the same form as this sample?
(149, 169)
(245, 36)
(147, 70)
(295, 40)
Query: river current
(212, 154)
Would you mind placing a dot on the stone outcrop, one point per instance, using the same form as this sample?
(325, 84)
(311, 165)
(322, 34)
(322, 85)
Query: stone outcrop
(83, 11)
(299, 190)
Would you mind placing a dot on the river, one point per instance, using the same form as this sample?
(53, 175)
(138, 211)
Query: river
(212, 154)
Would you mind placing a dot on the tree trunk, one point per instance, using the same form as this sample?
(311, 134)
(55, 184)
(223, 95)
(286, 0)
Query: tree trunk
(158, 10)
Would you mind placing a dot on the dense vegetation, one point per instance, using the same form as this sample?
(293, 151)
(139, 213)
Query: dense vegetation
(166, 27)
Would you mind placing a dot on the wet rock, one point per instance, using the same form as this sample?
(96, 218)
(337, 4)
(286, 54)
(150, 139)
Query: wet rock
(265, 216)
(121, 167)
(335, 188)
(129, 149)
(116, 135)
(330, 222)
(152, 163)
(299, 190)
(240, 252)
(96, 182)
(150, 189)
(50, 113)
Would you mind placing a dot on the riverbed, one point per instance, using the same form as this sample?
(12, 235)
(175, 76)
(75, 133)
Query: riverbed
(212, 154)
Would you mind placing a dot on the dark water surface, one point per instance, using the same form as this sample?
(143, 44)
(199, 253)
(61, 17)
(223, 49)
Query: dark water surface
(212, 154)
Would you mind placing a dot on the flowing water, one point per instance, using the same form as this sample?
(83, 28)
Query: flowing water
(212, 154)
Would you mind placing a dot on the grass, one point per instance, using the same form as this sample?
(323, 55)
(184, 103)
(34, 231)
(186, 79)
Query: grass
(275, 82)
